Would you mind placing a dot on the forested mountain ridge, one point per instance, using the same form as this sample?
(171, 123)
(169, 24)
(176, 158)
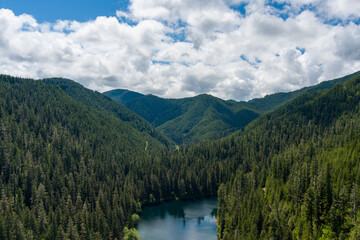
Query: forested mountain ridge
(189, 120)
(102, 103)
(69, 171)
(66, 169)
(273, 101)
(123, 96)
(205, 117)
(297, 171)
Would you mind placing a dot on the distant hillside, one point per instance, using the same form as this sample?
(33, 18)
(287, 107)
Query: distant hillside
(102, 103)
(124, 96)
(273, 101)
(205, 117)
(186, 120)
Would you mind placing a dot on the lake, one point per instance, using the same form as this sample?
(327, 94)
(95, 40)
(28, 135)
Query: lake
(179, 220)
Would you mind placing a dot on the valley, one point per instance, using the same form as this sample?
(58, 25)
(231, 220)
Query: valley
(180, 120)
(75, 164)
(205, 117)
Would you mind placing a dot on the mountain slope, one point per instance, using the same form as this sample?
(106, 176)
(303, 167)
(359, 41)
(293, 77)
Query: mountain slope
(205, 117)
(273, 101)
(68, 111)
(123, 96)
(188, 120)
(64, 165)
(296, 170)
(155, 110)
(70, 171)
(102, 103)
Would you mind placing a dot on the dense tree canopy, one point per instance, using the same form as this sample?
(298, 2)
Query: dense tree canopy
(204, 117)
(297, 174)
(70, 170)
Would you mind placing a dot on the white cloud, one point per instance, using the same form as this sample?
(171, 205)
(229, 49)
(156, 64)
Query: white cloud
(176, 48)
(348, 43)
(343, 8)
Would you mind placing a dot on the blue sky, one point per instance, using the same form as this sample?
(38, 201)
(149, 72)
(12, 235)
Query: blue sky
(233, 49)
(52, 10)
(85, 10)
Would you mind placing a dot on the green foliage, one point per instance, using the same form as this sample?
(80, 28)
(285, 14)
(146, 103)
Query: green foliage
(273, 101)
(297, 171)
(64, 165)
(123, 96)
(205, 117)
(327, 233)
(71, 170)
(131, 234)
(135, 219)
(189, 120)
(152, 199)
(100, 102)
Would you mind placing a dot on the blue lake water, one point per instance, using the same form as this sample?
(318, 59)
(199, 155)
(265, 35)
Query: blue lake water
(179, 220)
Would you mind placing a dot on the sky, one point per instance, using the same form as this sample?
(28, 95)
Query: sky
(232, 49)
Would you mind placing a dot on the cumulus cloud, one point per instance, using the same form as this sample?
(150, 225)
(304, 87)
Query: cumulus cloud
(343, 9)
(175, 48)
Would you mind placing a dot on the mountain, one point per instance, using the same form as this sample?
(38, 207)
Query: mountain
(71, 171)
(38, 97)
(123, 96)
(67, 170)
(188, 120)
(205, 117)
(273, 101)
(297, 170)
(100, 102)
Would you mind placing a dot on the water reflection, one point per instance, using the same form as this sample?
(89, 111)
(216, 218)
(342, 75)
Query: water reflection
(190, 220)
(214, 212)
